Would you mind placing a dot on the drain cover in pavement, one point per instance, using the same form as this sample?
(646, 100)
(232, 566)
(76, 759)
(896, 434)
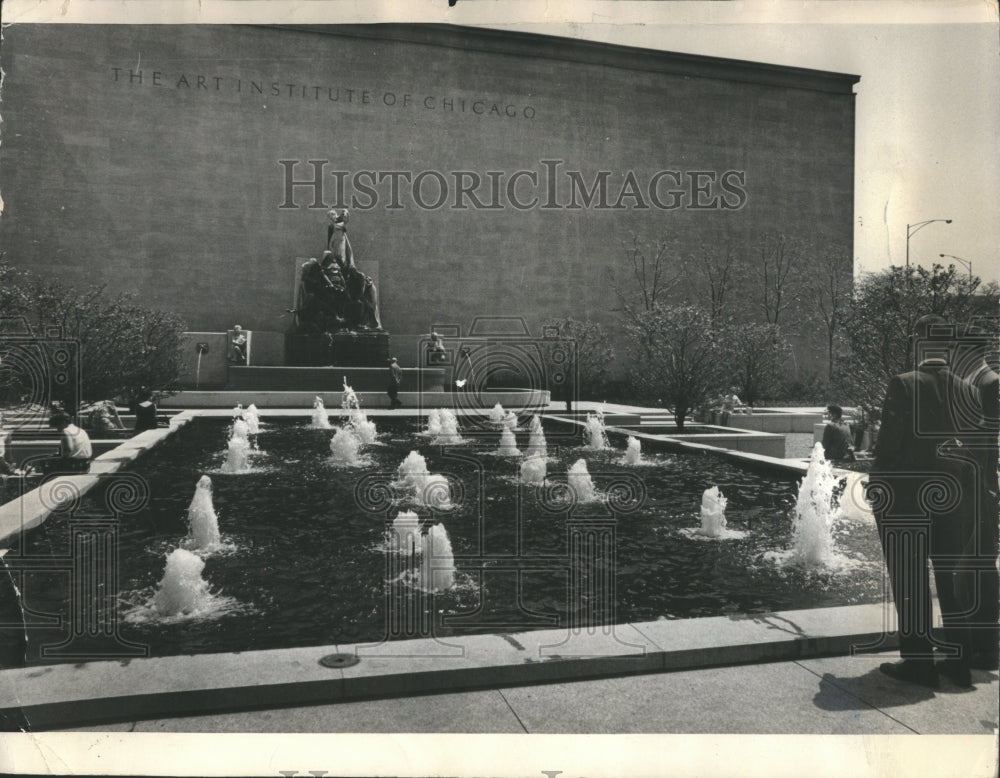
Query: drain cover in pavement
(339, 660)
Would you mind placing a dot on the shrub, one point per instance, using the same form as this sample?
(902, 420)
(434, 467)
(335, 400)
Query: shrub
(677, 356)
(124, 346)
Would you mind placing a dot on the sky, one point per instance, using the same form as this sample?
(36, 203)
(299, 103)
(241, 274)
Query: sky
(927, 123)
(928, 103)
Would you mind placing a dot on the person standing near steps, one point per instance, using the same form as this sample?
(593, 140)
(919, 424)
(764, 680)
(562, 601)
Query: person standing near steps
(395, 381)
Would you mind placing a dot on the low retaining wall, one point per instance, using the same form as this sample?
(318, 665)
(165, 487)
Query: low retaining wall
(748, 441)
(325, 379)
(769, 421)
(19, 451)
(211, 372)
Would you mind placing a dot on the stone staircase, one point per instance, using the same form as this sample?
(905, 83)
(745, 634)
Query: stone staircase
(330, 379)
(656, 419)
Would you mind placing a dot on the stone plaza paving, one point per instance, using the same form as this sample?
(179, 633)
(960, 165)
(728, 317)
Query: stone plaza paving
(841, 695)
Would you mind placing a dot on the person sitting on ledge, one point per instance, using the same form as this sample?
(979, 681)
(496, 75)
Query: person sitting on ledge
(145, 411)
(104, 417)
(837, 440)
(6, 469)
(75, 451)
(734, 404)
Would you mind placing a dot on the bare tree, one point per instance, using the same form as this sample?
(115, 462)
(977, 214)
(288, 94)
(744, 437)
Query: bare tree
(716, 270)
(830, 291)
(646, 279)
(776, 262)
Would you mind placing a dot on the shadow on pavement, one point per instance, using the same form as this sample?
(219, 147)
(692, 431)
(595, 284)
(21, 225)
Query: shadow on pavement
(876, 690)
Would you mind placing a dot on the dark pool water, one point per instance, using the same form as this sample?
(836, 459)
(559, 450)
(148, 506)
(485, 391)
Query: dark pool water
(306, 561)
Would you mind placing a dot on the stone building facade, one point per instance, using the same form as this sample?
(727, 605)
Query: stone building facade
(488, 173)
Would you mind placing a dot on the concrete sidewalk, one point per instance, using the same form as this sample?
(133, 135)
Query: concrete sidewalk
(825, 696)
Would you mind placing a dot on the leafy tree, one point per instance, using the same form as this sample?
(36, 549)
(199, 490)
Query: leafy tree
(677, 357)
(123, 346)
(594, 353)
(12, 288)
(755, 356)
(884, 308)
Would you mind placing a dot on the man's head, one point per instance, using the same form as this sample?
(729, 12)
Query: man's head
(392, 361)
(60, 421)
(932, 340)
(237, 328)
(835, 411)
(926, 326)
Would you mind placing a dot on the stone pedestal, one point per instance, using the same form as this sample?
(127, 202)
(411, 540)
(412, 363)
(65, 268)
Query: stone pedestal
(360, 349)
(311, 350)
(342, 349)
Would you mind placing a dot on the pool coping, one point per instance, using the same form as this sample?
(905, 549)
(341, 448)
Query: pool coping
(89, 693)
(790, 467)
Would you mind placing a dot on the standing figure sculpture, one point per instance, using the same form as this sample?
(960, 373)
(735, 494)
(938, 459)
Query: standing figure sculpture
(361, 308)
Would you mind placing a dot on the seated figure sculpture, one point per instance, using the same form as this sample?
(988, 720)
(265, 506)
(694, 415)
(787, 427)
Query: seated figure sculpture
(333, 294)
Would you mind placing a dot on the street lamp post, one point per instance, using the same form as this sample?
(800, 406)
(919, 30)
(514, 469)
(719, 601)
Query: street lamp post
(966, 262)
(913, 229)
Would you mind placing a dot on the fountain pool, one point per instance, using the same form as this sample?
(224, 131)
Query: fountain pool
(308, 548)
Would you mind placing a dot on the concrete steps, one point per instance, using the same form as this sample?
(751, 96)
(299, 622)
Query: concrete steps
(330, 379)
(515, 400)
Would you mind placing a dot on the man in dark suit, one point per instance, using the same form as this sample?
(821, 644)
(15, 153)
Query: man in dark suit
(395, 381)
(923, 488)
